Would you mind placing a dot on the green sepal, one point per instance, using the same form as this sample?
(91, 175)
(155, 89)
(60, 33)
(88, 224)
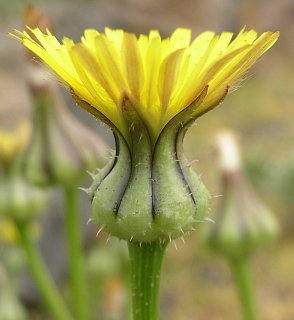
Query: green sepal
(110, 191)
(99, 175)
(122, 204)
(134, 216)
(180, 200)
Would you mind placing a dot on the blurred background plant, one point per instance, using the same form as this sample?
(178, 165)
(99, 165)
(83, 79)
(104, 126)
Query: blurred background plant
(261, 112)
(20, 203)
(243, 224)
(58, 153)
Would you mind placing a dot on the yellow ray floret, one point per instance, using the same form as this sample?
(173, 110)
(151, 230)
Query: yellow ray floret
(162, 76)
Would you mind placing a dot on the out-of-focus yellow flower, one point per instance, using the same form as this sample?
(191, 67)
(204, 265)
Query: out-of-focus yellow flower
(8, 231)
(161, 76)
(13, 142)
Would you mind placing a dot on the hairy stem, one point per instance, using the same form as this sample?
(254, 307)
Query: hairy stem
(146, 260)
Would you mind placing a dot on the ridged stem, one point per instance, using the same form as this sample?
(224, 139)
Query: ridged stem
(78, 284)
(42, 277)
(146, 261)
(242, 276)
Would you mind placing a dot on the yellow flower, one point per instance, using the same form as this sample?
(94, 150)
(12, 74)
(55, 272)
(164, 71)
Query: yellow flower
(161, 76)
(13, 142)
(8, 232)
(148, 90)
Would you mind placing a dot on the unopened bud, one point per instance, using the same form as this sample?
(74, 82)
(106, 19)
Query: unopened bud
(62, 149)
(242, 222)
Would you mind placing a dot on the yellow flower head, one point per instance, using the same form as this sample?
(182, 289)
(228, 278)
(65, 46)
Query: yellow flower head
(13, 142)
(160, 76)
(8, 231)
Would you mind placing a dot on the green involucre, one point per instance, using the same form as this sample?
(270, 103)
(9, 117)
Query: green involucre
(148, 192)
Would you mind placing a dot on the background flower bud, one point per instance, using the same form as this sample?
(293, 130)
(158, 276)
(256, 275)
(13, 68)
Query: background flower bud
(243, 223)
(61, 149)
(18, 200)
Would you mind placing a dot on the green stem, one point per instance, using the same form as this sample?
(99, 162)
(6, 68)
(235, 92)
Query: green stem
(42, 277)
(146, 260)
(75, 254)
(242, 275)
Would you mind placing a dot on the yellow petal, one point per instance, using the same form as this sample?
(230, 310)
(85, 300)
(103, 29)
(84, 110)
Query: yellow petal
(167, 77)
(151, 70)
(86, 65)
(132, 62)
(109, 60)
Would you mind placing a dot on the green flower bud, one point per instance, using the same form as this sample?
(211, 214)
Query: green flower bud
(148, 192)
(61, 149)
(19, 200)
(243, 223)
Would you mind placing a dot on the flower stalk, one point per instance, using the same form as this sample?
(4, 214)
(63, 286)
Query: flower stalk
(42, 277)
(146, 261)
(242, 276)
(243, 223)
(76, 259)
